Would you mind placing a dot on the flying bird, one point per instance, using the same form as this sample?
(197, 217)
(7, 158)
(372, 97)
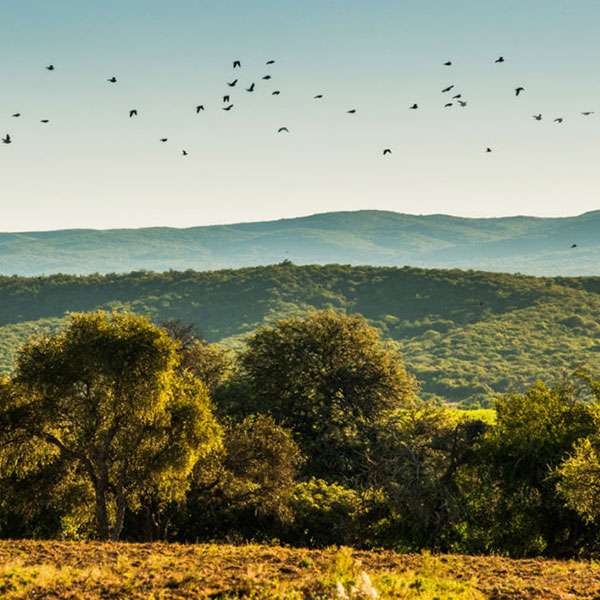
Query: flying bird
(250, 89)
(232, 83)
(448, 105)
(488, 150)
(112, 80)
(573, 245)
(537, 117)
(414, 107)
(50, 68)
(133, 113)
(270, 62)
(448, 63)
(17, 115)
(163, 140)
(352, 111)
(276, 93)
(387, 151)
(282, 129)
(457, 96)
(237, 64)
(226, 99)
(199, 108)
(500, 59)
(7, 139)
(267, 77)
(519, 90)
(463, 103)
(318, 96)
(558, 120)
(45, 121)
(228, 107)
(447, 89)
(587, 113)
(184, 152)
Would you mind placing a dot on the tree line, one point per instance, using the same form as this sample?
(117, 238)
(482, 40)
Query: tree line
(314, 434)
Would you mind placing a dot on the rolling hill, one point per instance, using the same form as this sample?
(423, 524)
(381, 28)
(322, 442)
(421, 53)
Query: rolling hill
(536, 246)
(466, 335)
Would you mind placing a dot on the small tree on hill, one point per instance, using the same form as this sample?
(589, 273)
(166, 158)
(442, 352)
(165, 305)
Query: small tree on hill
(105, 394)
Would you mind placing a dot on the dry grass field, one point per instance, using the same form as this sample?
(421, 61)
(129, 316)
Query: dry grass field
(30, 569)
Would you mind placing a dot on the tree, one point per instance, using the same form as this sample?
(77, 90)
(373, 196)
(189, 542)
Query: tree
(246, 487)
(325, 376)
(106, 396)
(579, 479)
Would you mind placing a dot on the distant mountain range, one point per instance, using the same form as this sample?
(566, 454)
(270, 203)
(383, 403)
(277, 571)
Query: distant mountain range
(536, 246)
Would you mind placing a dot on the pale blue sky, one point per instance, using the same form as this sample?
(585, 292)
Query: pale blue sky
(94, 167)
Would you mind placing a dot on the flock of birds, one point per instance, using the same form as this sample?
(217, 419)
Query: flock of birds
(453, 100)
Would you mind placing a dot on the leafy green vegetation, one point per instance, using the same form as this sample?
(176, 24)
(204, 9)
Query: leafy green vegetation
(313, 435)
(465, 335)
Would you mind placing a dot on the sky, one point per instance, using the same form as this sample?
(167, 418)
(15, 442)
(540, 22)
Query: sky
(93, 167)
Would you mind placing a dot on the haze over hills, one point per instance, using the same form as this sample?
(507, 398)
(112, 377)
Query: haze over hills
(531, 245)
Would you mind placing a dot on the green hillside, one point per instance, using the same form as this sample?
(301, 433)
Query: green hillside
(537, 246)
(465, 334)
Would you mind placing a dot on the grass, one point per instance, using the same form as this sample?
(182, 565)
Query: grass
(31, 569)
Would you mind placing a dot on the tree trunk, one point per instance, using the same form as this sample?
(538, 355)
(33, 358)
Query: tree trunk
(102, 525)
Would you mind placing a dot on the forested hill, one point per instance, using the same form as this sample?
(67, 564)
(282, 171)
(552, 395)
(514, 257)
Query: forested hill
(537, 246)
(466, 335)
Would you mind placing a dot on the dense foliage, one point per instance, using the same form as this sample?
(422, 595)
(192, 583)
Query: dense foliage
(464, 335)
(316, 435)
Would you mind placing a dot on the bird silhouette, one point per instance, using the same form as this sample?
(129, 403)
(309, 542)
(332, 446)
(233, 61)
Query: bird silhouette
(387, 151)
(237, 64)
(267, 77)
(488, 150)
(448, 63)
(199, 108)
(282, 129)
(228, 107)
(587, 113)
(463, 103)
(7, 139)
(447, 89)
(414, 107)
(448, 105)
(270, 62)
(112, 80)
(537, 117)
(519, 90)
(276, 93)
(457, 96)
(17, 115)
(318, 96)
(558, 120)
(500, 59)
(45, 121)
(352, 111)
(232, 83)
(163, 140)
(251, 88)
(226, 99)
(184, 152)
(50, 68)
(133, 113)
(573, 245)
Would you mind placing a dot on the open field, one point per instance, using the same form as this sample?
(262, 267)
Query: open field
(30, 569)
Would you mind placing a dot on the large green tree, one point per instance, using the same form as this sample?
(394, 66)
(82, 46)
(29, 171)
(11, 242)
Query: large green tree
(328, 377)
(106, 395)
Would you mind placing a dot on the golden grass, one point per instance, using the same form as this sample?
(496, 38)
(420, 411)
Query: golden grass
(30, 569)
